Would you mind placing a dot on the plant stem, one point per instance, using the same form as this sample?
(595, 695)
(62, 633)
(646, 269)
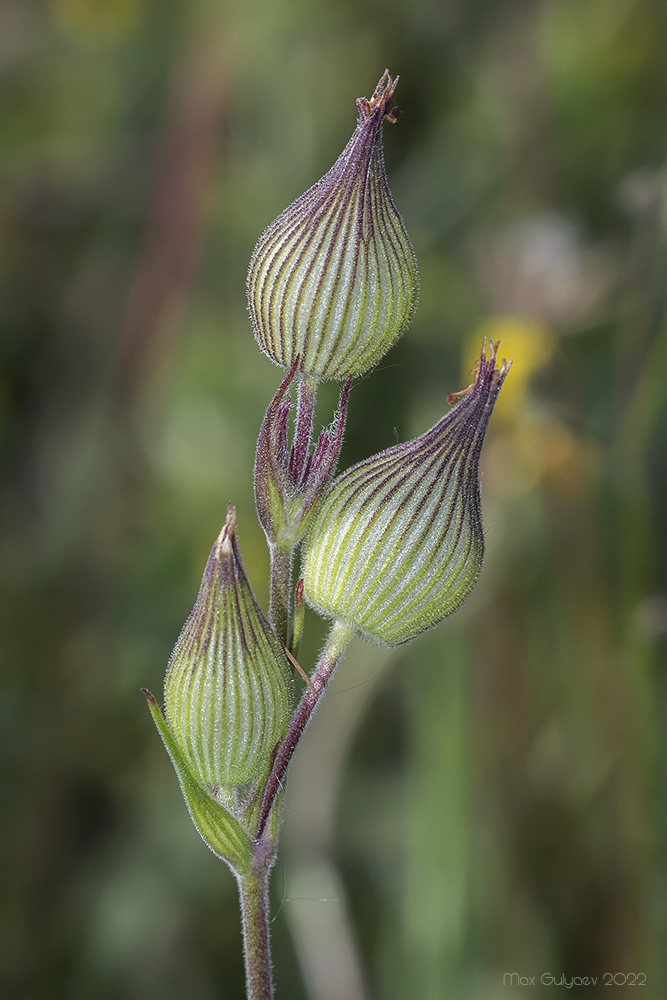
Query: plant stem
(281, 590)
(340, 635)
(254, 898)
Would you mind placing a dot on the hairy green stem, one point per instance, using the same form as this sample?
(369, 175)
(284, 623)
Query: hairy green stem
(254, 898)
(281, 590)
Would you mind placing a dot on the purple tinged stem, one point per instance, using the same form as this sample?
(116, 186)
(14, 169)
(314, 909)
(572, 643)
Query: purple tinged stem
(339, 637)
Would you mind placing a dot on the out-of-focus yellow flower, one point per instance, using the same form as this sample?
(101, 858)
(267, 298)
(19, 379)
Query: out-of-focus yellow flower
(539, 450)
(528, 341)
(550, 451)
(99, 19)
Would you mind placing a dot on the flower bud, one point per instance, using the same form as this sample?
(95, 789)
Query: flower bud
(334, 278)
(290, 482)
(228, 686)
(398, 542)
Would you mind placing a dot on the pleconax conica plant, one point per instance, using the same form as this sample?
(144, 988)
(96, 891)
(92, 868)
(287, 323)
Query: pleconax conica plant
(388, 548)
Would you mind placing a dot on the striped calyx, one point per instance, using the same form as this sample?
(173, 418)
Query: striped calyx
(333, 280)
(228, 689)
(398, 542)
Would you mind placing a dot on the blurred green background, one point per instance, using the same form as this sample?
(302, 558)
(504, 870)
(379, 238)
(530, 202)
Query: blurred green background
(489, 799)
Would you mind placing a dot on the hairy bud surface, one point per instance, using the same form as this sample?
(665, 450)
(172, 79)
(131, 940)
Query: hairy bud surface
(228, 689)
(398, 542)
(333, 279)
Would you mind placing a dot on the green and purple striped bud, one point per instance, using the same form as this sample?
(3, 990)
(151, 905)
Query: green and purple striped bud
(228, 689)
(398, 543)
(334, 280)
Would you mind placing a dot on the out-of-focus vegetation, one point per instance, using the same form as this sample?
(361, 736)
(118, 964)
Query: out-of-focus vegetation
(490, 799)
